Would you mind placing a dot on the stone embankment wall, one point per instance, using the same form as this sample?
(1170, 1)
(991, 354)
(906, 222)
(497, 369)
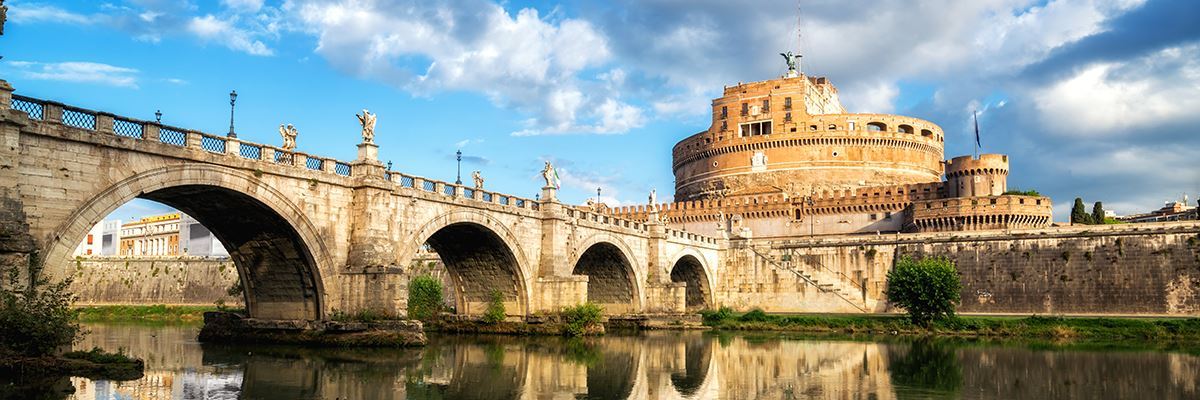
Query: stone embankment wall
(1151, 269)
(154, 280)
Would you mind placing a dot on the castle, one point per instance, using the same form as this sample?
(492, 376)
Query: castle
(784, 158)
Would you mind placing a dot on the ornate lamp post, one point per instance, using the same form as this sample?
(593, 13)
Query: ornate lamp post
(458, 156)
(232, 100)
(158, 116)
(597, 198)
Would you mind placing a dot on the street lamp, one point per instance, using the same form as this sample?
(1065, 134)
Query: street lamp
(158, 116)
(232, 100)
(458, 156)
(597, 198)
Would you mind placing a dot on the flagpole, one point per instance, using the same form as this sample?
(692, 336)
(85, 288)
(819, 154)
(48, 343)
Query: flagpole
(975, 113)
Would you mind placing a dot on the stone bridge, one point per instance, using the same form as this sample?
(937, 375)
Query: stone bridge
(312, 236)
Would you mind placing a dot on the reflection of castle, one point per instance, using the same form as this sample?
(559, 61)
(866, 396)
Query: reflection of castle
(782, 157)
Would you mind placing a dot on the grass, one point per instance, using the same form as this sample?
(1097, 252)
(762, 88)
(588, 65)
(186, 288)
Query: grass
(157, 313)
(1033, 327)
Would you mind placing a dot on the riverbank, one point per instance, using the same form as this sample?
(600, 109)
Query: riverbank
(1032, 327)
(156, 313)
(23, 375)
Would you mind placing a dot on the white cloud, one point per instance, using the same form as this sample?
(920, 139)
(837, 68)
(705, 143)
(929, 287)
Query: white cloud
(211, 28)
(1119, 98)
(522, 61)
(78, 71)
(243, 6)
(21, 13)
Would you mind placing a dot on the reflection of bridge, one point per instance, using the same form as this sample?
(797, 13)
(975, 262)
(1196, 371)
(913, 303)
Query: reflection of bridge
(313, 235)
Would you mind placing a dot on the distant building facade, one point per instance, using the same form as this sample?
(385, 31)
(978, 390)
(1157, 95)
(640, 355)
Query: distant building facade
(1171, 211)
(173, 234)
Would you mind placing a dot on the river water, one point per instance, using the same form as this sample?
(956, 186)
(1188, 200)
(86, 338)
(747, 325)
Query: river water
(656, 365)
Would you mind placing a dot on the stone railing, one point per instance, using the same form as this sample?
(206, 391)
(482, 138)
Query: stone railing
(106, 123)
(605, 219)
(678, 234)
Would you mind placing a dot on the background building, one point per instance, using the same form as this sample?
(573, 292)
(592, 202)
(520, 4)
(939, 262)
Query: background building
(91, 244)
(174, 234)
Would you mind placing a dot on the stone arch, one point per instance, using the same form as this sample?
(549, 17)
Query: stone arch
(689, 267)
(277, 251)
(697, 356)
(904, 128)
(481, 254)
(876, 127)
(613, 281)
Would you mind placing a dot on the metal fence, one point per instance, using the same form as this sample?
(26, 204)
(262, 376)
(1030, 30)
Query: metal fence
(428, 186)
(123, 127)
(406, 181)
(30, 106)
(314, 163)
(212, 144)
(341, 168)
(469, 193)
(250, 151)
(172, 136)
(486, 197)
(448, 190)
(78, 119)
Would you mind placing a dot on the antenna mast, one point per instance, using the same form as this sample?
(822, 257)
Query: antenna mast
(799, 41)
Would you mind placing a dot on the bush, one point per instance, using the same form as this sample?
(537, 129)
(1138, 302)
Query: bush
(928, 288)
(424, 298)
(580, 317)
(755, 315)
(36, 319)
(495, 309)
(714, 318)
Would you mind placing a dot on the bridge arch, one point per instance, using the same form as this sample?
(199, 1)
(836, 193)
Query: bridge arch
(481, 254)
(277, 251)
(690, 268)
(614, 282)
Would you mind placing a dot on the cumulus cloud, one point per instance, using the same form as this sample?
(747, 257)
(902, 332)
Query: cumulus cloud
(538, 66)
(21, 13)
(213, 29)
(78, 71)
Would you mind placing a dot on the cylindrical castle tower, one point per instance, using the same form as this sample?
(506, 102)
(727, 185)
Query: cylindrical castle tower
(792, 135)
(967, 176)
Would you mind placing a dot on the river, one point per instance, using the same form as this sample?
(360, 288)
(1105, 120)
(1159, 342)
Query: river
(655, 365)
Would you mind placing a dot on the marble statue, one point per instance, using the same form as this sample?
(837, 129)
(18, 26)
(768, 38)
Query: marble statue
(367, 120)
(653, 197)
(289, 134)
(478, 177)
(550, 175)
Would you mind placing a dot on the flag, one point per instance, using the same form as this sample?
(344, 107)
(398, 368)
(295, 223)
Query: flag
(557, 180)
(977, 144)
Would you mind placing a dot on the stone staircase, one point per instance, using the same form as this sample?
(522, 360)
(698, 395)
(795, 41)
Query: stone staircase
(823, 278)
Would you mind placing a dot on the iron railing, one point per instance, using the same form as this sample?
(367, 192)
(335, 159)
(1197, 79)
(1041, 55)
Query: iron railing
(78, 118)
(250, 151)
(448, 190)
(428, 186)
(486, 197)
(215, 145)
(28, 105)
(124, 127)
(283, 157)
(341, 168)
(469, 193)
(406, 181)
(172, 136)
(314, 163)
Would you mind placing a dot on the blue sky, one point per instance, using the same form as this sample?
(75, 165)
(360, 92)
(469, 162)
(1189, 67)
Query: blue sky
(1097, 99)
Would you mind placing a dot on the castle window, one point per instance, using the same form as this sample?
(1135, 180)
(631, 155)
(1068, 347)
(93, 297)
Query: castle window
(812, 128)
(754, 129)
(887, 215)
(876, 127)
(724, 112)
(787, 103)
(926, 133)
(793, 129)
(832, 127)
(745, 109)
(787, 117)
(850, 126)
(766, 105)
(873, 217)
(906, 129)
(993, 201)
(724, 126)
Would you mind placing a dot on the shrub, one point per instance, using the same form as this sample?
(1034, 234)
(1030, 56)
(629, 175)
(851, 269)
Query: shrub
(755, 315)
(495, 309)
(714, 318)
(424, 298)
(580, 317)
(36, 319)
(928, 288)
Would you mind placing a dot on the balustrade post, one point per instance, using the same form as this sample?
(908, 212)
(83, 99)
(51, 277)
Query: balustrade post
(104, 122)
(194, 139)
(328, 165)
(439, 187)
(233, 147)
(267, 154)
(458, 191)
(150, 132)
(6, 91)
(52, 112)
(418, 183)
(300, 160)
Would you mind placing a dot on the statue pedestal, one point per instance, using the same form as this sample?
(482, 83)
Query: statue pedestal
(792, 74)
(367, 152)
(550, 194)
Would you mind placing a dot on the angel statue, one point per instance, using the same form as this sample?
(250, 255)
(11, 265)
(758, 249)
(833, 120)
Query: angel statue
(653, 197)
(289, 134)
(478, 177)
(791, 60)
(550, 175)
(367, 120)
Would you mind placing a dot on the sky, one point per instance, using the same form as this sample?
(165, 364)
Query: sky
(1092, 99)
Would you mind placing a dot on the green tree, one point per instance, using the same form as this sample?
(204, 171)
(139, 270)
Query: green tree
(1098, 213)
(1079, 214)
(424, 298)
(495, 309)
(36, 319)
(928, 289)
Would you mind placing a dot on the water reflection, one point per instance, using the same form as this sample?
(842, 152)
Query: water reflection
(668, 365)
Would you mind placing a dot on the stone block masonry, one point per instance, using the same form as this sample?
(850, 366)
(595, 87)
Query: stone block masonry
(154, 280)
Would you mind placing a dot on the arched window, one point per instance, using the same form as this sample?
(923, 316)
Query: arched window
(832, 127)
(906, 129)
(876, 127)
(926, 133)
